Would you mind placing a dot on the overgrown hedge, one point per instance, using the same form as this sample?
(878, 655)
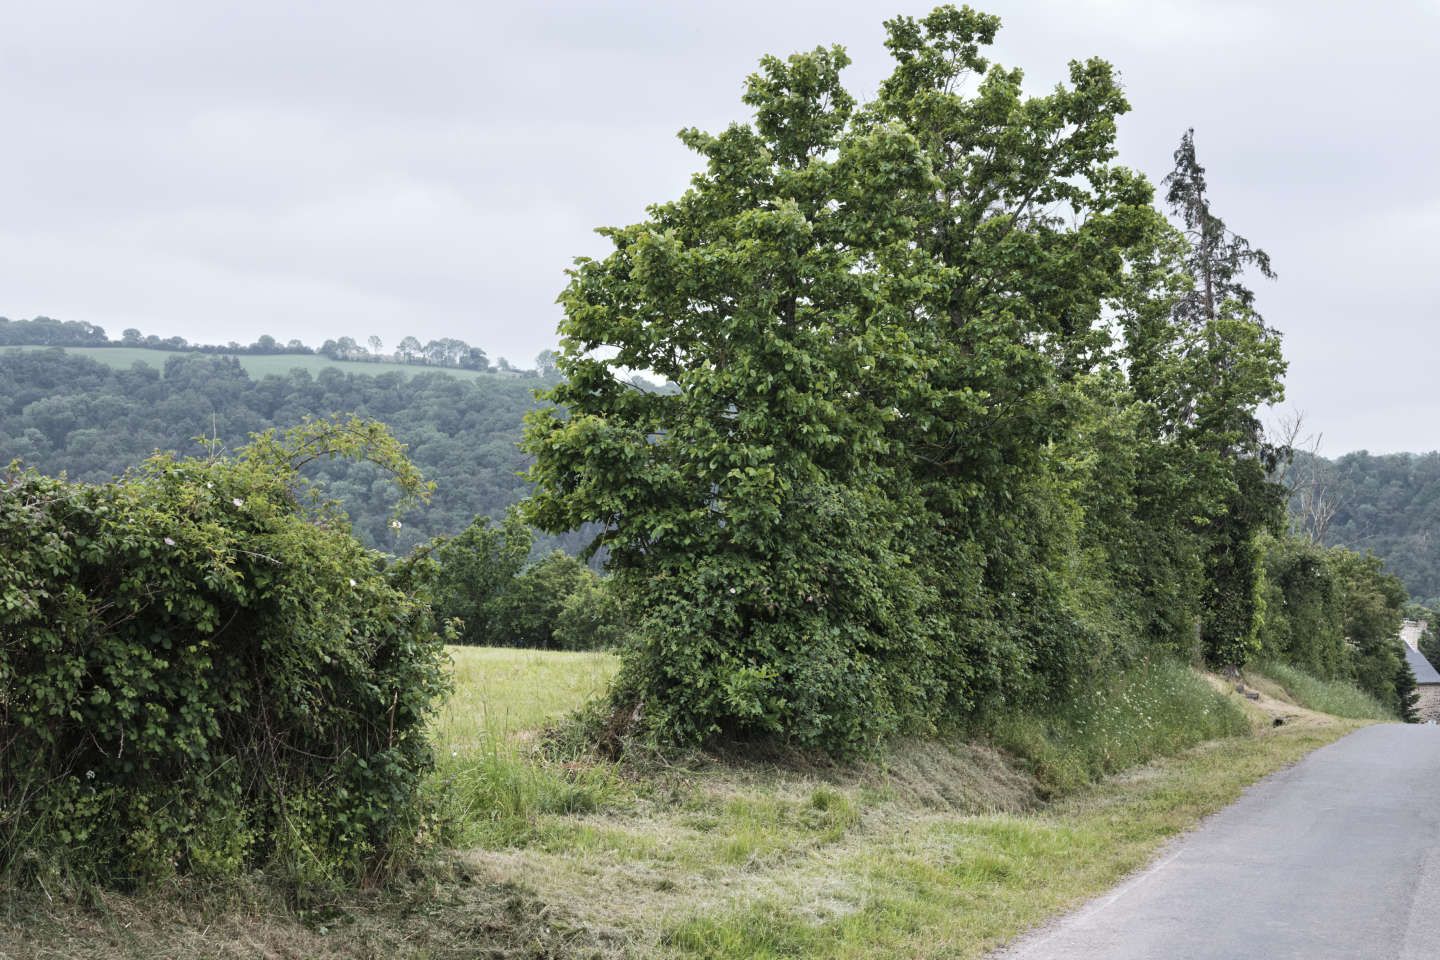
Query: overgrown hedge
(201, 673)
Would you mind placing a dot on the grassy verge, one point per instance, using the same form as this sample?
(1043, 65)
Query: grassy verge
(1154, 710)
(948, 849)
(1335, 697)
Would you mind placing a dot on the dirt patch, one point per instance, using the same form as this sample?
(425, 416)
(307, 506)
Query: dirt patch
(1266, 702)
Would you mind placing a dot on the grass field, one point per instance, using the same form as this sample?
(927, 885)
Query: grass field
(947, 849)
(258, 365)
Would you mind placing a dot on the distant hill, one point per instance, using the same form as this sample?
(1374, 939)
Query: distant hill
(95, 412)
(1390, 504)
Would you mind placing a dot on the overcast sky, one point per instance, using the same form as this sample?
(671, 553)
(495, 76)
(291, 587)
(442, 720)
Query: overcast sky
(222, 170)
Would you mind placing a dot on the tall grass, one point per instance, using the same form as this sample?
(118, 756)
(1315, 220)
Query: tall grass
(489, 786)
(1151, 710)
(1335, 697)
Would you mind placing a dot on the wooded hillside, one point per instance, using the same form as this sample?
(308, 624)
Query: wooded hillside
(63, 412)
(1388, 504)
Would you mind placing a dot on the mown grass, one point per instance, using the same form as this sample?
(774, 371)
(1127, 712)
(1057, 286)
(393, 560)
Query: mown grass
(1335, 697)
(259, 365)
(947, 849)
(961, 886)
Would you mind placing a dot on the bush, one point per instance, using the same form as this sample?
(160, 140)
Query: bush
(531, 607)
(199, 673)
(485, 583)
(593, 618)
(477, 569)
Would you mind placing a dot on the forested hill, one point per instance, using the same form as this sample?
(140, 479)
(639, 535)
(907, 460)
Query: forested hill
(64, 412)
(1389, 504)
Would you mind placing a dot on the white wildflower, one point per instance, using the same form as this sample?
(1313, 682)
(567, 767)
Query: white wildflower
(238, 502)
(169, 542)
(394, 524)
(353, 583)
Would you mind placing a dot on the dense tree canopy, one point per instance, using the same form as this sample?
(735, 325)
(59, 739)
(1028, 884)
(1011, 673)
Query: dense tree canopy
(1389, 505)
(906, 335)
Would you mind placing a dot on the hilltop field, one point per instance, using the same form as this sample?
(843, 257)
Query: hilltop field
(262, 365)
(948, 849)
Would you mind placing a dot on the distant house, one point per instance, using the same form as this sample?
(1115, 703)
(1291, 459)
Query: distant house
(1427, 678)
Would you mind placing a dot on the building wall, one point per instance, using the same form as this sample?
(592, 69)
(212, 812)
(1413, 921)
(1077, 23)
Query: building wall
(1428, 706)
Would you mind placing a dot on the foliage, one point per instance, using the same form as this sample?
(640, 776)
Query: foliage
(1336, 615)
(476, 569)
(905, 337)
(531, 609)
(1407, 694)
(49, 332)
(1388, 504)
(593, 617)
(444, 352)
(1430, 638)
(500, 599)
(201, 670)
(1241, 357)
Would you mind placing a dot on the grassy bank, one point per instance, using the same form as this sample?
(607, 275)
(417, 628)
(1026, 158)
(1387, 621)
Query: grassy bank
(1335, 697)
(947, 849)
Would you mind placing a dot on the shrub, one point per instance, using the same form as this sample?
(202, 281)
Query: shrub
(531, 607)
(202, 671)
(478, 568)
(593, 618)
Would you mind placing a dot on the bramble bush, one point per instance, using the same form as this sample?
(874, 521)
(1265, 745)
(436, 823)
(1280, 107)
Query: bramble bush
(203, 671)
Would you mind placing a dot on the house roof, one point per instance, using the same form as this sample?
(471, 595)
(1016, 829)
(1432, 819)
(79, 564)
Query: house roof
(1424, 672)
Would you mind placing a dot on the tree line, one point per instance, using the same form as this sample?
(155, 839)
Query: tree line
(442, 352)
(961, 418)
(1388, 504)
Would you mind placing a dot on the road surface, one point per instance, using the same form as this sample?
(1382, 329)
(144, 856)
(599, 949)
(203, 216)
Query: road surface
(1337, 857)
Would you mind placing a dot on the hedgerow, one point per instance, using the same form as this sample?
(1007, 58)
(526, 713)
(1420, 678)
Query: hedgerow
(202, 671)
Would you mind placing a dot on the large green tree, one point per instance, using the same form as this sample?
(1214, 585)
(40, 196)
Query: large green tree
(847, 518)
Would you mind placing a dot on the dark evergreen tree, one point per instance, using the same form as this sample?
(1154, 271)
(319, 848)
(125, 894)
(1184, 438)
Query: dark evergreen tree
(1406, 693)
(1238, 350)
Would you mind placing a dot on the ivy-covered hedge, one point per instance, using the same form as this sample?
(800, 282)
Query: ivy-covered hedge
(200, 672)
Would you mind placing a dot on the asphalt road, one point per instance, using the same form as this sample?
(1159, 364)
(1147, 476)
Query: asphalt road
(1337, 857)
